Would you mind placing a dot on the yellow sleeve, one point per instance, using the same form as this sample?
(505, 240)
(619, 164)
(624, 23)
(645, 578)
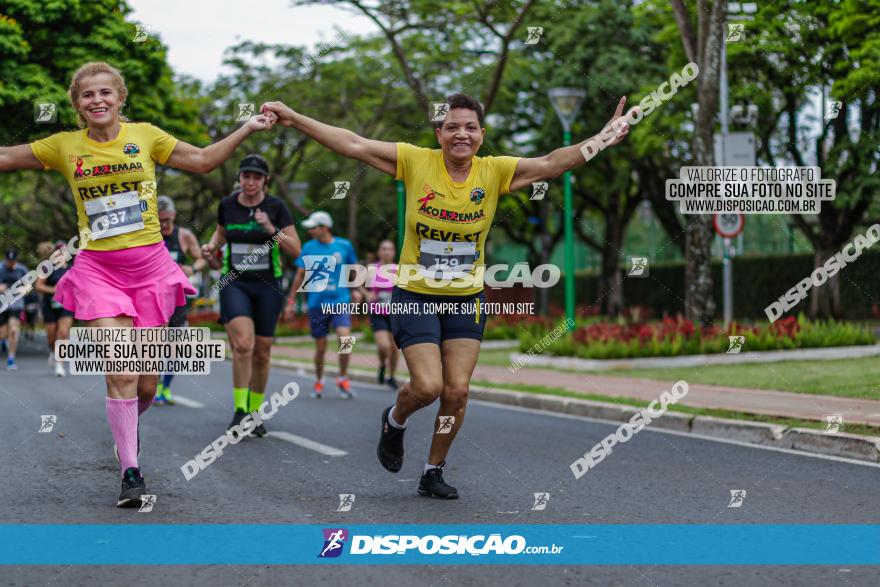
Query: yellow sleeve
(162, 144)
(504, 168)
(404, 150)
(48, 151)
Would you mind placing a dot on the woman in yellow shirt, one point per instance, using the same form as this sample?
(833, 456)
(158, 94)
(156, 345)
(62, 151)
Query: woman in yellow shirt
(451, 196)
(123, 275)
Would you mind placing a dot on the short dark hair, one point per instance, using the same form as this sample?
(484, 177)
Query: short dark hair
(463, 101)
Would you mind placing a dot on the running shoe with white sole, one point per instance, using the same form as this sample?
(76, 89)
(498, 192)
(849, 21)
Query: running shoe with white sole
(260, 431)
(133, 487)
(390, 449)
(432, 484)
(59, 369)
(344, 385)
(318, 390)
(10, 364)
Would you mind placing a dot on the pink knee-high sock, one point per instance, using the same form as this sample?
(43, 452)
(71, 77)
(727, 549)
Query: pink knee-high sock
(143, 405)
(123, 417)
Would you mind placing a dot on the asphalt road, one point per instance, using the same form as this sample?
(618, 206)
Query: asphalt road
(500, 459)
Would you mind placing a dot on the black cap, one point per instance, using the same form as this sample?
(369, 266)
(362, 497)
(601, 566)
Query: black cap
(254, 163)
(11, 254)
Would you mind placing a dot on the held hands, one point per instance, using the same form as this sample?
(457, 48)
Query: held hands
(259, 122)
(278, 112)
(271, 113)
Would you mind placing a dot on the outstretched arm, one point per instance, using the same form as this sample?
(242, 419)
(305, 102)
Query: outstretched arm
(379, 154)
(18, 157)
(196, 160)
(533, 169)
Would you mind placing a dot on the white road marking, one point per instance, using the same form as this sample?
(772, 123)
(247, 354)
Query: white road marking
(684, 434)
(189, 403)
(309, 444)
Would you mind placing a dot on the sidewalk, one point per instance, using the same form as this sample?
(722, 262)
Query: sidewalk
(773, 403)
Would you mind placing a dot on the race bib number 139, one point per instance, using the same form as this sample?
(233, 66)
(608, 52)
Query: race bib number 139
(445, 260)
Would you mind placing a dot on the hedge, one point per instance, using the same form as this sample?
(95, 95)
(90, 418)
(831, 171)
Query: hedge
(757, 281)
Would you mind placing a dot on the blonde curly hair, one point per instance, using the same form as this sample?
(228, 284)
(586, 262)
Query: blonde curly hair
(88, 70)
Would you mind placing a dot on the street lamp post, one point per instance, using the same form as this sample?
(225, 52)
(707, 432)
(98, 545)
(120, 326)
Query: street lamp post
(567, 103)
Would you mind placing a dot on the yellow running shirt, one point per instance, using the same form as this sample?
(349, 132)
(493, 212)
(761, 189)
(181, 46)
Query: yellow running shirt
(116, 180)
(446, 221)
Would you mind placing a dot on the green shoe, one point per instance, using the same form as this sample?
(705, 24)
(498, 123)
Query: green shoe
(167, 395)
(160, 395)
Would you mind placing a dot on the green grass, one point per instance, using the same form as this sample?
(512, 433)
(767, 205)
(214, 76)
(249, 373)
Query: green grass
(729, 414)
(857, 378)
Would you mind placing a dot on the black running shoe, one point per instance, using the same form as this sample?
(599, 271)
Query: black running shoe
(392, 383)
(432, 484)
(133, 487)
(381, 376)
(236, 419)
(390, 449)
(260, 431)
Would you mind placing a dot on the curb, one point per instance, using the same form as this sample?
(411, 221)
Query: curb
(852, 446)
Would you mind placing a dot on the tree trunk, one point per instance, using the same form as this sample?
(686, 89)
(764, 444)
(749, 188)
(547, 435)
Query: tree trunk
(611, 278)
(825, 298)
(699, 305)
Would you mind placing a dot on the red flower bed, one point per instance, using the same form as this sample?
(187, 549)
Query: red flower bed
(670, 328)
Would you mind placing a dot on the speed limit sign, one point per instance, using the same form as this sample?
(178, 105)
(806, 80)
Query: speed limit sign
(729, 225)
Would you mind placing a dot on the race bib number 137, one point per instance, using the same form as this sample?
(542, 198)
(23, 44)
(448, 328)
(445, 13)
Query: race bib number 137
(119, 214)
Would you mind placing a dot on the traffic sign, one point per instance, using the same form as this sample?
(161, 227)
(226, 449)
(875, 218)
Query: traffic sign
(729, 225)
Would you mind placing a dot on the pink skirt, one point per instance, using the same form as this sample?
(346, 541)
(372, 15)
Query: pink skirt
(142, 282)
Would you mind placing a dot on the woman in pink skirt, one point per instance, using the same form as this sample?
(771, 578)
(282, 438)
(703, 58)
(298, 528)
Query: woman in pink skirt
(123, 276)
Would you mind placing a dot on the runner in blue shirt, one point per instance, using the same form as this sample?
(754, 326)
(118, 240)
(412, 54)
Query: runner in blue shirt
(319, 268)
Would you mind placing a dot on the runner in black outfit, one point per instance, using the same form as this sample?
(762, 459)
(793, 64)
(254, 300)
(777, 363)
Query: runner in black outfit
(58, 320)
(255, 227)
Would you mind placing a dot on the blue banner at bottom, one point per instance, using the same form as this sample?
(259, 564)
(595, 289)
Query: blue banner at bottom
(664, 544)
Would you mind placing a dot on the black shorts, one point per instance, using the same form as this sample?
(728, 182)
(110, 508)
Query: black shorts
(30, 313)
(51, 315)
(416, 319)
(4, 316)
(258, 300)
(178, 318)
(380, 322)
